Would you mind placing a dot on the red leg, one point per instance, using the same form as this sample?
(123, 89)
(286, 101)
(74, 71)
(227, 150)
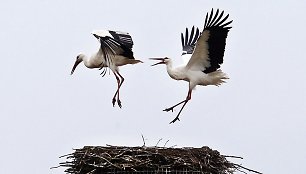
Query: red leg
(120, 80)
(185, 102)
(172, 107)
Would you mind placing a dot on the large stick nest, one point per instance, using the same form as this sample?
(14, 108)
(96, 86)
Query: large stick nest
(102, 159)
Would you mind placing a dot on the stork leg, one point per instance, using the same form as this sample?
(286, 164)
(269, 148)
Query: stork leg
(184, 101)
(120, 80)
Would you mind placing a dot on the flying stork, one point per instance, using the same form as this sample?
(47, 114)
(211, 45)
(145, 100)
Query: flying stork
(115, 50)
(203, 53)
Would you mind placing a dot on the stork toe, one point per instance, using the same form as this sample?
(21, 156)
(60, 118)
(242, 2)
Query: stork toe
(168, 109)
(176, 119)
(119, 103)
(114, 101)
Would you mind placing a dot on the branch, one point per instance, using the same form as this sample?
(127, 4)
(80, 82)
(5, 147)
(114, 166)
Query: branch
(144, 143)
(250, 170)
(166, 143)
(230, 156)
(158, 142)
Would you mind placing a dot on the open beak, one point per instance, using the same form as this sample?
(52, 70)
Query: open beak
(162, 61)
(77, 62)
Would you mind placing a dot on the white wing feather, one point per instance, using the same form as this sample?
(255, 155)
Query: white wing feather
(199, 59)
(102, 33)
(186, 58)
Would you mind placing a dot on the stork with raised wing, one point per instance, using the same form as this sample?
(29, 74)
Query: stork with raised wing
(115, 50)
(203, 53)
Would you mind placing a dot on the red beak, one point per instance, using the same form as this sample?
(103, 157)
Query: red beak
(162, 61)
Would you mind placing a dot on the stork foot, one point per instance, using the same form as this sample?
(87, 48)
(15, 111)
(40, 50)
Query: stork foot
(169, 109)
(176, 118)
(114, 101)
(119, 103)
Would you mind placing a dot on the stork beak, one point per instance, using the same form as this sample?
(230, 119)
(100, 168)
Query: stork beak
(77, 62)
(162, 61)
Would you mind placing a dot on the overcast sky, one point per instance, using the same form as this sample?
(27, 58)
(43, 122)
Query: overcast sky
(45, 112)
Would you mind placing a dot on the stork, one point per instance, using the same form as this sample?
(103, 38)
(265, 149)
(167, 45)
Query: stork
(203, 54)
(115, 50)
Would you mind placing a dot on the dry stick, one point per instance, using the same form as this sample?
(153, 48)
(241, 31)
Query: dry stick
(55, 167)
(166, 143)
(120, 154)
(91, 171)
(110, 145)
(66, 155)
(173, 146)
(241, 171)
(230, 156)
(144, 143)
(158, 142)
(105, 160)
(248, 169)
(82, 158)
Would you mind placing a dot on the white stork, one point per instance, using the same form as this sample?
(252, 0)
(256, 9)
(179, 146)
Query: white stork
(203, 53)
(115, 50)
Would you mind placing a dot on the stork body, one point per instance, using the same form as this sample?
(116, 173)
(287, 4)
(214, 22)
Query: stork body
(115, 50)
(202, 55)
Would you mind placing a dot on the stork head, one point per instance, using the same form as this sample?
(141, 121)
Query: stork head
(79, 59)
(162, 60)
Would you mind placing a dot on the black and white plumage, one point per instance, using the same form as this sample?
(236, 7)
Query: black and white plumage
(115, 50)
(203, 53)
(188, 43)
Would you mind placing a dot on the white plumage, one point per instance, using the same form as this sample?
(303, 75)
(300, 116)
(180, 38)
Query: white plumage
(203, 54)
(115, 50)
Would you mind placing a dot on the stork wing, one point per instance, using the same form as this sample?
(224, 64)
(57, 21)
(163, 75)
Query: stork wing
(188, 43)
(209, 49)
(123, 38)
(114, 43)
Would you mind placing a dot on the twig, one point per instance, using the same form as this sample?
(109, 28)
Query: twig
(55, 167)
(110, 145)
(66, 155)
(158, 142)
(166, 143)
(241, 171)
(173, 146)
(91, 171)
(250, 170)
(104, 160)
(230, 156)
(144, 143)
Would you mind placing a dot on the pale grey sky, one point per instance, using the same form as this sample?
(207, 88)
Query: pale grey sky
(259, 114)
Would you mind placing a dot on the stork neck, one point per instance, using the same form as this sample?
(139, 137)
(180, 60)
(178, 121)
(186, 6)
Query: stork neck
(94, 61)
(86, 61)
(169, 66)
(172, 71)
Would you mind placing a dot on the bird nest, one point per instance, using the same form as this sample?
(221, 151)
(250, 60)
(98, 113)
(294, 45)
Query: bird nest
(120, 159)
